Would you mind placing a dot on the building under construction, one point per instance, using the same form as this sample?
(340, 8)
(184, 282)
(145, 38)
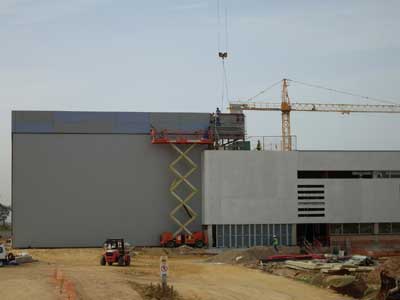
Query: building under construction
(81, 177)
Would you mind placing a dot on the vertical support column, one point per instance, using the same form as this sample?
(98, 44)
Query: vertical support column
(210, 235)
(376, 228)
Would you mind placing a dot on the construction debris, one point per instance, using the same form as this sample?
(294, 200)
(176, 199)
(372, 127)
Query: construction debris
(346, 275)
(250, 256)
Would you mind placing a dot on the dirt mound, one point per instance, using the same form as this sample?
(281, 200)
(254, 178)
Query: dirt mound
(389, 264)
(156, 292)
(251, 255)
(348, 285)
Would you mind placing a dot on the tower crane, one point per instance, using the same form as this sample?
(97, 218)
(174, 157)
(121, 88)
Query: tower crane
(285, 107)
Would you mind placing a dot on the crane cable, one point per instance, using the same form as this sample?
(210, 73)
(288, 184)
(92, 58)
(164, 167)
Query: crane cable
(264, 90)
(223, 54)
(345, 92)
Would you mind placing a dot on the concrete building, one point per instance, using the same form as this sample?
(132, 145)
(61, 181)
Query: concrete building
(248, 196)
(79, 178)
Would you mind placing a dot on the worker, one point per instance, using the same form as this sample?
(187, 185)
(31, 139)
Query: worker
(258, 148)
(275, 243)
(217, 119)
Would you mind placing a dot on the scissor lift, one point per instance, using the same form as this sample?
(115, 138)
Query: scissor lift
(177, 140)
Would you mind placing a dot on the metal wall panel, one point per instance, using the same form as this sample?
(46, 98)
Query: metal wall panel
(106, 122)
(83, 122)
(25, 121)
(180, 121)
(132, 122)
(76, 190)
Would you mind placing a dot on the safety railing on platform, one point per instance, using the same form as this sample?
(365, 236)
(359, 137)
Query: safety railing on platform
(196, 137)
(270, 143)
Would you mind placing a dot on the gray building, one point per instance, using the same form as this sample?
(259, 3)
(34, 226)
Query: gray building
(249, 196)
(81, 177)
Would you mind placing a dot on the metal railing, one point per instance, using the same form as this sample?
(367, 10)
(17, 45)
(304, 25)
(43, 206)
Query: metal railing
(269, 143)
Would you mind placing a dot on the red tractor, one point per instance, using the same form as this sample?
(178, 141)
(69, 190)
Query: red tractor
(115, 252)
(198, 239)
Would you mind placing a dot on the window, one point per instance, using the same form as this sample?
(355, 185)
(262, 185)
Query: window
(346, 175)
(381, 174)
(246, 236)
(395, 227)
(385, 228)
(239, 236)
(1, 249)
(310, 186)
(395, 174)
(335, 228)
(367, 228)
(351, 228)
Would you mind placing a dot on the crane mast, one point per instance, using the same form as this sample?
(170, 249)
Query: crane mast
(285, 107)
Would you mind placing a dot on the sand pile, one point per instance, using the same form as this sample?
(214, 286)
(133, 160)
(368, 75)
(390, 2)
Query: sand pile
(249, 256)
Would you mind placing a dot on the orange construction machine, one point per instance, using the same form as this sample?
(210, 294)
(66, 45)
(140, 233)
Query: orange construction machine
(115, 252)
(197, 239)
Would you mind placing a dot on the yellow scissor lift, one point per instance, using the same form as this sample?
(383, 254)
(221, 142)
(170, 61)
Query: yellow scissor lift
(177, 142)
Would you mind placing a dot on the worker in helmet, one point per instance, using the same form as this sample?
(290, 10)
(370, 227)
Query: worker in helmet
(275, 243)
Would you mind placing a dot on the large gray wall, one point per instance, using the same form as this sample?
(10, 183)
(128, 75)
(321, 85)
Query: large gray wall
(73, 190)
(251, 187)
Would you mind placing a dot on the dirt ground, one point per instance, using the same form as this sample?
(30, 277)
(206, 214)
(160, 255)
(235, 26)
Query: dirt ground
(191, 276)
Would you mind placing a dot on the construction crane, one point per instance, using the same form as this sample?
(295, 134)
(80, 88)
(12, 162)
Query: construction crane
(285, 107)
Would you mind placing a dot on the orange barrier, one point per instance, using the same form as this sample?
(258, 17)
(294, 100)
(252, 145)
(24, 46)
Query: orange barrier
(66, 287)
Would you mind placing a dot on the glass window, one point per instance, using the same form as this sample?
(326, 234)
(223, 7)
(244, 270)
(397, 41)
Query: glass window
(395, 174)
(351, 228)
(1, 250)
(258, 235)
(239, 236)
(381, 174)
(385, 227)
(219, 236)
(284, 234)
(290, 234)
(233, 236)
(335, 228)
(395, 227)
(246, 236)
(367, 228)
(270, 233)
(226, 236)
(265, 235)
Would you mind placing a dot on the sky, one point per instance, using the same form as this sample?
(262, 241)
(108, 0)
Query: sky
(104, 55)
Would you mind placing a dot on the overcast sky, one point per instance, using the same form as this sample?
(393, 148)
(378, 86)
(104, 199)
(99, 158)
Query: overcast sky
(162, 56)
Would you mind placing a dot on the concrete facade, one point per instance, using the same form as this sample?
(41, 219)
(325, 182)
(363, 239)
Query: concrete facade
(251, 187)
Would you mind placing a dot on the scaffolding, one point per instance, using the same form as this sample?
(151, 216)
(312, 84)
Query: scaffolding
(178, 140)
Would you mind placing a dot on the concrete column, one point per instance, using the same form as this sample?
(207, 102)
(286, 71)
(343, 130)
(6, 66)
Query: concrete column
(210, 237)
(376, 228)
